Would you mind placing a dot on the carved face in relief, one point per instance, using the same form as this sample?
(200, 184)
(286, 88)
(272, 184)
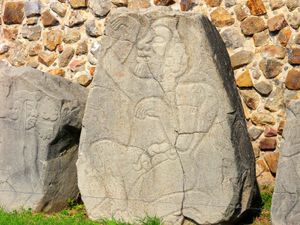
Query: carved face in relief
(157, 49)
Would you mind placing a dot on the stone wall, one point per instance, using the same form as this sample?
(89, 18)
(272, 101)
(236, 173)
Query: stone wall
(62, 38)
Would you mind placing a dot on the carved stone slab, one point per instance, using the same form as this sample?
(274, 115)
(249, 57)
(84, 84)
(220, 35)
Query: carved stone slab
(40, 123)
(286, 196)
(164, 132)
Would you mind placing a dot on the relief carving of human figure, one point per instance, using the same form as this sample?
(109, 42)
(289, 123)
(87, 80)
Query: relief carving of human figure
(166, 113)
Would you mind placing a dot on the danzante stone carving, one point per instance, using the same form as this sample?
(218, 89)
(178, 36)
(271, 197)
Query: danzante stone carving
(286, 198)
(163, 131)
(40, 122)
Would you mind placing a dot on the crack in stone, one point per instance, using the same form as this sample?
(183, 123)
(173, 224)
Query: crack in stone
(184, 177)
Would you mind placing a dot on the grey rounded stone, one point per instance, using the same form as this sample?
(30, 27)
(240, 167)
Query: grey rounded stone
(100, 7)
(32, 8)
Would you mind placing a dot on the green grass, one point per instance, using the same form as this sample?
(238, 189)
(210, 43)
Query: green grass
(76, 215)
(265, 216)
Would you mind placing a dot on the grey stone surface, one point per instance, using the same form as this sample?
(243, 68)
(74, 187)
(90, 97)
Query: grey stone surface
(286, 200)
(232, 38)
(100, 7)
(40, 123)
(164, 133)
(32, 8)
(32, 33)
(91, 28)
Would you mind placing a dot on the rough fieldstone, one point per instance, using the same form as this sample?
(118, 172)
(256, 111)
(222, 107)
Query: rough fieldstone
(271, 159)
(262, 118)
(138, 4)
(244, 79)
(272, 51)
(93, 29)
(57, 72)
(66, 56)
(10, 33)
(48, 19)
(276, 23)
(32, 20)
(52, 39)
(297, 39)
(266, 179)
(293, 18)
(59, 8)
(286, 200)
(164, 2)
(95, 48)
(240, 12)
(100, 7)
(75, 18)
(232, 38)
(32, 62)
(40, 122)
(213, 3)
(220, 17)
(198, 159)
(18, 54)
(256, 7)
(3, 48)
(82, 48)
(270, 67)
(185, 5)
(47, 58)
(270, 132)
(71, 35)
(292, 4)
(84, 80)
(275, 101)
(256, 151)
(121, 3)
(229, 3)
(76, 4)
(254, 133)
(263, 87)
(92, 70)
(241, 58)
(251, 98)
(34, 49)
(92, 59)
(276, 4)
(32, 8)
(77, 65)
(292, 80)
(32, 33)
(13, 12)
(281, 126)
(284, 36)
(261, 38)
(252, 25)
(294, 56)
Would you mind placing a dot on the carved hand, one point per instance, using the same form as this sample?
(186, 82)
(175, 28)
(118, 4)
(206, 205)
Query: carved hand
(152, 107)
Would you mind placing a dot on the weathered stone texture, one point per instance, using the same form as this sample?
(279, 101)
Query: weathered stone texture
(40, 122)
(13, 12)
(286, 201)
(164, 136)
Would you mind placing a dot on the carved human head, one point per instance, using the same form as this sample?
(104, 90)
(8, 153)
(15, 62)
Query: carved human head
(160, 52)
